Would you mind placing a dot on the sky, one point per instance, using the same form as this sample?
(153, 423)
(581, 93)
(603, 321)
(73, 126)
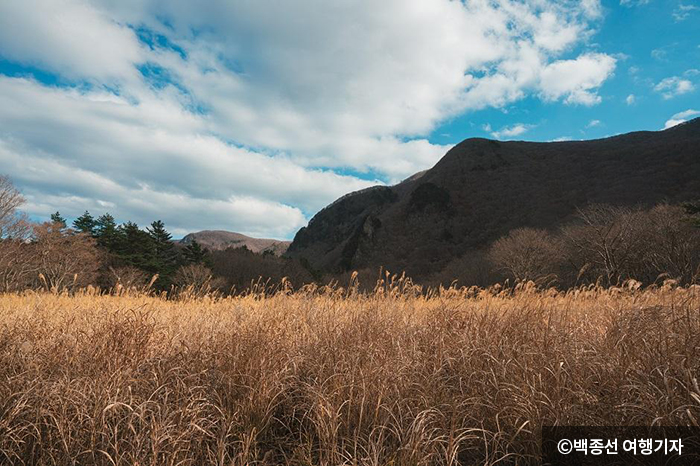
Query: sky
(252, 115)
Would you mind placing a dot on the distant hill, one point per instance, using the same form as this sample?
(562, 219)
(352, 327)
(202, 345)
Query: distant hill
(481, 189)
(220, 240)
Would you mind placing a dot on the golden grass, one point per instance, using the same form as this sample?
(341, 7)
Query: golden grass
(337, 377)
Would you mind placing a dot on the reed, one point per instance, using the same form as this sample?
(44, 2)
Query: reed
(334, 376)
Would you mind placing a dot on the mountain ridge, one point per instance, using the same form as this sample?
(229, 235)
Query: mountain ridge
(482, 188)
(221, 240)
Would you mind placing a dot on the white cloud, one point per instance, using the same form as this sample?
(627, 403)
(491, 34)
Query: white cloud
(681, 117)
(72, 38)
(512, 131)
(577, 80)
(280, 89)
(674, 86)
(682, 12)
(659, 54)
(149, 161)
(593, 123)
(631, 99)
(630, 3)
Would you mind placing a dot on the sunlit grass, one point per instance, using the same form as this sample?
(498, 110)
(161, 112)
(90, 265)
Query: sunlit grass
(333, 376)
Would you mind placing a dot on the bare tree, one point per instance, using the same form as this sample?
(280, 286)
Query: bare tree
(12, 223)
(606, 241)
(64, 259)
(16, 268)
(195, 280)
(127, 277)
(671, 244)
(527, 254)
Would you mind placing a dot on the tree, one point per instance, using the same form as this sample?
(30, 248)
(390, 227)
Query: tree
(12, 223)
(692, 209)
(85, 224)
(16, 268)
(64, 260)
(607, 241)
(195, 280)
(106, 232)
(134, 247)
(164, 253)
(194, 253)
(670, 245)
(57, 218)
(527, 254)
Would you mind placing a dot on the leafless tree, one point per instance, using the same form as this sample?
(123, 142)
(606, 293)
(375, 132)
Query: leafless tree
(12, 223)
(606, 241)
(16, 267)
(527, 254)
(671, 244)
(127, 277)
(195, 280)
(65, 259)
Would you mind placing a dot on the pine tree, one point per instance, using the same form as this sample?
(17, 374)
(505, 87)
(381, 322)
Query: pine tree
(57, 218)
(194, 253)
(85, 224)
(134, 247)
(164, 253)
(106, 232)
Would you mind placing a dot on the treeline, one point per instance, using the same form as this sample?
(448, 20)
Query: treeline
(95, 252)
(604, 244)
(98, 252)
(129, 254)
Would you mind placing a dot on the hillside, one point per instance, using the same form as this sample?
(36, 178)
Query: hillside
(481, 189)
(219, 240)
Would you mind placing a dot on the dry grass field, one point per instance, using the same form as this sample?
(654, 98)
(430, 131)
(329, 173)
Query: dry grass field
(331, 376)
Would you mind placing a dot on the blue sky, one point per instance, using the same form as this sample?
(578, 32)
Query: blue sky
(251, 116)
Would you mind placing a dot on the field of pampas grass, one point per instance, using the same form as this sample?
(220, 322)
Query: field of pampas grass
(331, 376)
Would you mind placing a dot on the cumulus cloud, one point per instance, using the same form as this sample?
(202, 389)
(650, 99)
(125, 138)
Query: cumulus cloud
(577, 80)
(631, 99)
(68, 37)
(593, 123)
(674, 86)
(148, 162)
(681, 117)
(509, 132)
(233, 102)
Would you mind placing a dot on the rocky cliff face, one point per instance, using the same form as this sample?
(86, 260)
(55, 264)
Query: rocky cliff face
(481, 189)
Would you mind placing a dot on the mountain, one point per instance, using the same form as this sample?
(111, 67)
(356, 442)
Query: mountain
(220, 240)
(481, 189)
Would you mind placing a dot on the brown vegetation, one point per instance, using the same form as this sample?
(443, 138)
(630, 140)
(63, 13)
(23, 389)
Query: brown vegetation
(333, 376)
(48, 257)
(605, 244)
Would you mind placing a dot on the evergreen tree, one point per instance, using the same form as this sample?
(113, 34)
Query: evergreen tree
(57, 218)
(194, 253)
(134, 247)
(85, 224)
(164, 253)
(106, 232)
